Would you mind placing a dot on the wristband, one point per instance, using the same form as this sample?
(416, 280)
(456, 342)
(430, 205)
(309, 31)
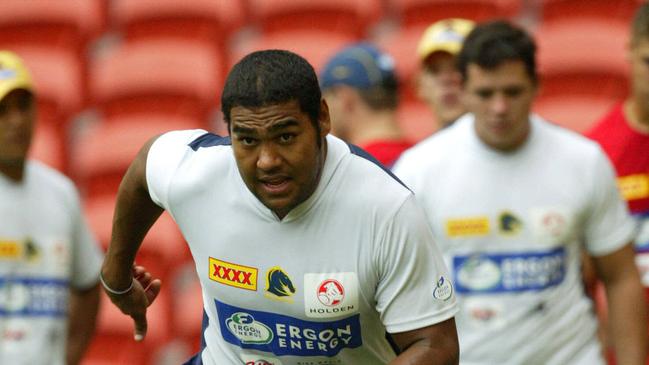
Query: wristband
(113, 291)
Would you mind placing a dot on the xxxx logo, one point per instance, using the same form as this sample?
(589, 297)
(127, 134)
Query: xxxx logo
(244, 277)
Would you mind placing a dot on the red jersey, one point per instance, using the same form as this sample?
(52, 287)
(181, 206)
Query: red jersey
(387, 152)
(629, 152)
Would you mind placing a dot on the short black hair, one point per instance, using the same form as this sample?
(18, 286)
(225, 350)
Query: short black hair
(640, 25)
(272, 77)
(491, 44)
(382, 96)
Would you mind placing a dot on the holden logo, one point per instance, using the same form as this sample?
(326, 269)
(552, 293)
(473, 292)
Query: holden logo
(331, 292)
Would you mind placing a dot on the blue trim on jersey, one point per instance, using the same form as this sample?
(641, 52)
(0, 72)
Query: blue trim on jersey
(34, 297)
(355, 150)
(209, 140)
(198, 358)
(641, 214)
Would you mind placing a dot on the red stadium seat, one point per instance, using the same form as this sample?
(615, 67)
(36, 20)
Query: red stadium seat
(47, 147)
(157, 76)
(402, 46)
(197, 19)
(188, 307)
(416, 120)
(347, 17)
(583, 57)
(163, 248)
(113, 342)
(425, 12)
(104, 151)
(605, 10)
(578, 113)
(315, 46)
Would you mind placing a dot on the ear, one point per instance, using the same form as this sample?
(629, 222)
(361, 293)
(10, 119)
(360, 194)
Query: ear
(325, 120)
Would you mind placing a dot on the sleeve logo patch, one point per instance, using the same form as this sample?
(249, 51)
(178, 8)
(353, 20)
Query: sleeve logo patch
(443, 289)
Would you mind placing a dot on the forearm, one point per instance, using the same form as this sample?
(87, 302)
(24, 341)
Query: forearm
(135, 213)
(84, 306)
(423, 355)
(628, 321)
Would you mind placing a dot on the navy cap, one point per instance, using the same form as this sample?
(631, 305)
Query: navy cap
(360, 66)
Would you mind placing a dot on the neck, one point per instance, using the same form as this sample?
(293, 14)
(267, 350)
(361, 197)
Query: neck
(380, 125)
(637, 114)
(15, 171)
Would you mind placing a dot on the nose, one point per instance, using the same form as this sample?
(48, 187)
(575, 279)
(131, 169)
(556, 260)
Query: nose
(499, 104)
(268, 158)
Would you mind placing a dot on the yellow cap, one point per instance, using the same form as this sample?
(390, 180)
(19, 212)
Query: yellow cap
(445, 35)
(13, 74)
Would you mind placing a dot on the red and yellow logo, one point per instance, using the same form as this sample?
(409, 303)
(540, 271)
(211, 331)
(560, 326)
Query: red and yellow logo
(634, 187)
(238, 276)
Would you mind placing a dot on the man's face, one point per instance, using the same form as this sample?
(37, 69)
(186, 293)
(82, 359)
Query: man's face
(277, 152)
(440, 87)
(500, 99)
(17, 113)
(639, 56)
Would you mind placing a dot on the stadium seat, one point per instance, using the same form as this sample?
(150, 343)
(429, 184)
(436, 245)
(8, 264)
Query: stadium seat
(103, 152)
(583, 57)
(578, 113)
(402, 46)
(113, 341)
(187, 306)
(425, 12)
(315, 46)
(206, 20)
(157, 76)
(416, 120)
(47, 147)
(347, 17)
(604, 10)
(163, 249)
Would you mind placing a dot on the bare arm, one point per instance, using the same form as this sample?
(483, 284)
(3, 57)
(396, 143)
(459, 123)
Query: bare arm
(436, 344)
(135, 213)
(626, 305)
(84, 305)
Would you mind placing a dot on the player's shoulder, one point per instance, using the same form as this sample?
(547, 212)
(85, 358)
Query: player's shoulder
(363, 176)
(51, 181)
(564, 142)
(193, 139)
(436, 148)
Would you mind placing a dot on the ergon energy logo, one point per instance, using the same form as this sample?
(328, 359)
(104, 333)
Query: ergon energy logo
(239, 276)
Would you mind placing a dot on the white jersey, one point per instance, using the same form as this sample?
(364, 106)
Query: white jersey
(320, 286)
(511, 226)
(45, 248)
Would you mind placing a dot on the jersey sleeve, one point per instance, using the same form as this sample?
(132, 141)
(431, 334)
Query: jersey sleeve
(163, 159)
(85, 252)
(414, 289)
(608, 223)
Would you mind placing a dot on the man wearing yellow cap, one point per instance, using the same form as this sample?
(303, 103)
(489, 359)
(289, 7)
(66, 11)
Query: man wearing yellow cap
(49, 261)
(439, 81)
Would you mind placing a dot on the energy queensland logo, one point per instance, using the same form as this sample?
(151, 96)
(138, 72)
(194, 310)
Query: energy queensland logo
(283, 335)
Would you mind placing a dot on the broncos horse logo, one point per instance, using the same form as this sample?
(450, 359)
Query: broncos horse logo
(279, 284)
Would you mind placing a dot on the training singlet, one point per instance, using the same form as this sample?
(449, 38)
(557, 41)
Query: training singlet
(320, 286)
(45, 248)
(510, 226)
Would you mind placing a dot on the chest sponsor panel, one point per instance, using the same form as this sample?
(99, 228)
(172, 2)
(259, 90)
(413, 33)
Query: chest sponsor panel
(283, 335)
(329, 295)
(467, 227)
(33, 297)
(509, 272)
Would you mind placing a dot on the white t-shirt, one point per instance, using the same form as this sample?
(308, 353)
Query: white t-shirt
(320, 286)
(45, 248)
(510, 226)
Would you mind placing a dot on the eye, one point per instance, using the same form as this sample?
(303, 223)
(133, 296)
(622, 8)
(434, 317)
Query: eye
(247, 141)
(286, 138)
(484, 94)
(512, 92)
